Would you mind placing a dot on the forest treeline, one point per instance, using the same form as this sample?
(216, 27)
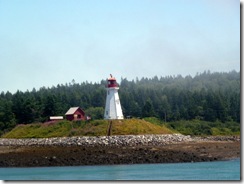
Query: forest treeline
(206, 96)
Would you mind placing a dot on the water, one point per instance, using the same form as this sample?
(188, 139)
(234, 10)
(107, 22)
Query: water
(220, 170)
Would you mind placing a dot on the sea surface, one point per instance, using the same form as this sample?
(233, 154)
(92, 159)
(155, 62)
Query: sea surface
(219, 170)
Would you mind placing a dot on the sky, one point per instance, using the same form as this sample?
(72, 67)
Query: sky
(50, 42)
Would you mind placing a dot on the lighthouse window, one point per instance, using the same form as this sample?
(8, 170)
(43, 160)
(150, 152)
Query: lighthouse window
(108, 92)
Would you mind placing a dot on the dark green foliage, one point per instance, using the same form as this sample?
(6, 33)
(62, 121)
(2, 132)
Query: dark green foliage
(210, 97)
(147, 109)
(7, 118)
(199, 127)
(95, 112)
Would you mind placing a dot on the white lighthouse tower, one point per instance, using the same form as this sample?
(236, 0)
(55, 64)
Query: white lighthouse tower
(113, 108)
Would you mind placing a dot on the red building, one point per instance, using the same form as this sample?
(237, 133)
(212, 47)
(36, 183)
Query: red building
(75, 113)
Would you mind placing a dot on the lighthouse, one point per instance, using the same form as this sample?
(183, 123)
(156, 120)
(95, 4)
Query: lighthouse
(112, 108)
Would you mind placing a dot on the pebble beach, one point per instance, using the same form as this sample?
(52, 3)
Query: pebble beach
(119, 149)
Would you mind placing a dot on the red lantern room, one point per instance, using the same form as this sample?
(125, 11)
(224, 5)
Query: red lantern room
(112, 82)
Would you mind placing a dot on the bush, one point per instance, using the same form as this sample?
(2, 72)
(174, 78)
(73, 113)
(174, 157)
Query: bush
(199, 127)
(153, 120)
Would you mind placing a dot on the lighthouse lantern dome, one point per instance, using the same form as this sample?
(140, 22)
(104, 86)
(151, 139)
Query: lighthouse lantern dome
(112, 82)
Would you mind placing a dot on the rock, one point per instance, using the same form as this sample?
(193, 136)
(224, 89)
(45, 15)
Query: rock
(116, 140)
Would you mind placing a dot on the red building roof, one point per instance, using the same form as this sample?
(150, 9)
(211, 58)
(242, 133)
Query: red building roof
(75, 113)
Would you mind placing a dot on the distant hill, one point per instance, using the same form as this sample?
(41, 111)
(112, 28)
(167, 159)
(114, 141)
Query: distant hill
(82, 128)
(209, 97)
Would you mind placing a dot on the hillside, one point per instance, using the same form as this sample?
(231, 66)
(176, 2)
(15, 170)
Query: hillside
(207, 96)
(82, 128)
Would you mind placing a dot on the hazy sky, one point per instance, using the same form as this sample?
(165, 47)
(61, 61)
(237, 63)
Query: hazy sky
(50, 42)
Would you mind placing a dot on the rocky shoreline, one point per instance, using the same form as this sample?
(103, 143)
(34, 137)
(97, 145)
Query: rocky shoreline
(119, 140)
(123, 149)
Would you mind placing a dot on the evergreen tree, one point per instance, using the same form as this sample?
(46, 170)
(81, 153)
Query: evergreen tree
(207, 96)
(147, 110)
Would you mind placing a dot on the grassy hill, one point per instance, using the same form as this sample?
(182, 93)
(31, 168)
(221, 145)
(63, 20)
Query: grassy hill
(82, 128)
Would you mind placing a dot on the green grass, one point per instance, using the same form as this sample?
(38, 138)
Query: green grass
(149, 125)
(36, 130)
(137, 127)
(202, 128)
(83, 128)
